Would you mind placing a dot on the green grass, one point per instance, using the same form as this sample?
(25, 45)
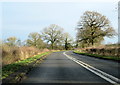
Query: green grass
(99, 56)
(11, 68)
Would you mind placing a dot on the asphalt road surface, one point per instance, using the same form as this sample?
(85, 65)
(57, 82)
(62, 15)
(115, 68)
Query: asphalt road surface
(59, 68)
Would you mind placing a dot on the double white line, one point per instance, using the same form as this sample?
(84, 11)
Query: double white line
(96, 71)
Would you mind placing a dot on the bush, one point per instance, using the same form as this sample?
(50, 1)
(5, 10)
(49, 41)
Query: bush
(106, 51)
(11, 54)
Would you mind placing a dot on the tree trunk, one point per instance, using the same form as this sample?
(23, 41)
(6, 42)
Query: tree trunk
(92, 40)
(66, 46)
(52, 45)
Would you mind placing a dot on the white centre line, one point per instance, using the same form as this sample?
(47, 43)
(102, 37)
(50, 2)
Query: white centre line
(107, 77)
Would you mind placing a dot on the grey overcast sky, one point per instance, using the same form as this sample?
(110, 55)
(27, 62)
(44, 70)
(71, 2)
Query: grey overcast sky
(21, 18)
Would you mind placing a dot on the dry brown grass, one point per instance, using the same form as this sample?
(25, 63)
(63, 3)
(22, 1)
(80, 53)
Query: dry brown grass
(9, 54)
(13, 54)
(103, 50)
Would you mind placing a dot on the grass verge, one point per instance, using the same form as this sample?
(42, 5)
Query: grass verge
(99, 56)
(17, 66)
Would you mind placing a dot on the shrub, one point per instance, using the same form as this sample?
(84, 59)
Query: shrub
(11, 54)
(107, 51)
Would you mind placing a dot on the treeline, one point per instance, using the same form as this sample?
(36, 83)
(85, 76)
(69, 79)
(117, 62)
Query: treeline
(91, 30)
(52, 37)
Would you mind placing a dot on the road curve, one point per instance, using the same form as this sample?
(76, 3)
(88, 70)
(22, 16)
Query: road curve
(57, 68)
(108, 66)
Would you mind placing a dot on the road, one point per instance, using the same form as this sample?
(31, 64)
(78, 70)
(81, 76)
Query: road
(59, 68)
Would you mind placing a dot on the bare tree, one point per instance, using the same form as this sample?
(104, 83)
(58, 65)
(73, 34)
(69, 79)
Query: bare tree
(52, 34)
(35, 40)
(93, 27)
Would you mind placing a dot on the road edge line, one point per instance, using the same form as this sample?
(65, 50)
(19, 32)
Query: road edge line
(94, 70)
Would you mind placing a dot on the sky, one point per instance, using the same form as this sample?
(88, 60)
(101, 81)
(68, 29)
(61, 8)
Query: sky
(21, 18)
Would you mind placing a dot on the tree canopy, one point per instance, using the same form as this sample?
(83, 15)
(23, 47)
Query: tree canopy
(93, 27)
(34, 39)
(52, 34)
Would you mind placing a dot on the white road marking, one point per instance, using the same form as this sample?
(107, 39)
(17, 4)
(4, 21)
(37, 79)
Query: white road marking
(96, 71)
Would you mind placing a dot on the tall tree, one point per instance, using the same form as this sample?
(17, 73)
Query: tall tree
(93, 27)
(35, 40)
(67, 41)
(52, 34)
